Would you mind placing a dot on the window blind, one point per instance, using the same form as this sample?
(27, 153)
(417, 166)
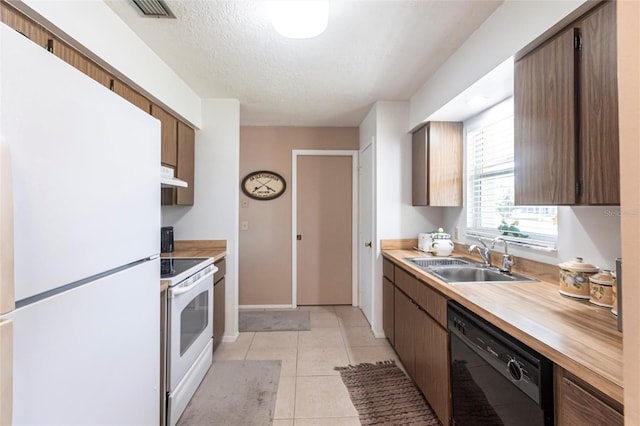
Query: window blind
(490, 188)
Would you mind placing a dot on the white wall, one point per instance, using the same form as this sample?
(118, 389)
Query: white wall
(108, 40)
(394, 217)
(214, 215)
(511, 27)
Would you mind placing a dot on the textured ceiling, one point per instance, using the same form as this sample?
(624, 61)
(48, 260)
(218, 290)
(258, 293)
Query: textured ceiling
(372, 50)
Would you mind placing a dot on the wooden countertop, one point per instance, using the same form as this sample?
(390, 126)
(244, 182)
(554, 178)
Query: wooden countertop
(578, 336)
(196, 248)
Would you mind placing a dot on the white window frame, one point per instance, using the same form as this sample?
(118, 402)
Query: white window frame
(490, 116)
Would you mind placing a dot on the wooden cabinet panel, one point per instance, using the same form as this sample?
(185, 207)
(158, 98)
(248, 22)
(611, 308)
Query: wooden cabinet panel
(437, 164)
(79, 61)
(404, 313)
(600, 153)
(433, 303)
(169, 136)
(544, 119)
(222, 270)
(24, 25)
(388, 290)
(432, 364)
(388, 269)
(419, 170)
(186, 164)
(445, 164)
(406, 282)
(131, 95)
(579, 404)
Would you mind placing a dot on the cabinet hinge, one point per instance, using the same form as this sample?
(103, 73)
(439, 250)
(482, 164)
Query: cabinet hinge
(50, 45)
(577, 41)
(579, 187)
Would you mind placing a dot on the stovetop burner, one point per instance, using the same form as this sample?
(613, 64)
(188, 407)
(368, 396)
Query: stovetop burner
(171, 267)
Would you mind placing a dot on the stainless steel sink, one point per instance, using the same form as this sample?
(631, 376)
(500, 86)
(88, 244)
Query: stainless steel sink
(429, 262)
(476, 274)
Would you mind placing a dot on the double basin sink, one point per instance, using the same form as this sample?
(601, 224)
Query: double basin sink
(461, 270)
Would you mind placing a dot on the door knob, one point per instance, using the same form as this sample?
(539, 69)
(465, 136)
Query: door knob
(367, 244)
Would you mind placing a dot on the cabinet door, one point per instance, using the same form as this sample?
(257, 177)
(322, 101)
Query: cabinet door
(544, 119)
(445, 164)
(218, 312)
(169, 136)
(599, 107)
(578, 405)
(387, 309)
(185, 167)
(404, 312)
(131, 95)
(419, 161)
(432, 364)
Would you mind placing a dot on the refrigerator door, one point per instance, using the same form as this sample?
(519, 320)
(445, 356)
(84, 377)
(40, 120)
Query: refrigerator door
(85, 169)
(90, 355)
(6, 232)
(6, 371)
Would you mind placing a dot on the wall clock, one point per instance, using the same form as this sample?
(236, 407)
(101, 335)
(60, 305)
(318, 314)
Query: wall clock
(263, 185)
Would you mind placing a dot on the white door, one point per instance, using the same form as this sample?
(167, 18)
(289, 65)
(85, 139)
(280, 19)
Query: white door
(366, 251)
(324, 222)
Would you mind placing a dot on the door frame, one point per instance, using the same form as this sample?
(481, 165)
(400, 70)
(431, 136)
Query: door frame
(354, 217)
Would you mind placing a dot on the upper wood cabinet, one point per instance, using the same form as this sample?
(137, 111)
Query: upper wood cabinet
(169, 136)
(79, 61)
(131, 95)
(566, 118)
(437, 164)
(186, 159)
(25, 26)
(185, 168)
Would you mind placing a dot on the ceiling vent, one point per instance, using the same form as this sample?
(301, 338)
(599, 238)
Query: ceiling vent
(154, 8)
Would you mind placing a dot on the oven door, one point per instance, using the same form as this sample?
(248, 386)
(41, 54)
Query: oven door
(190, 326)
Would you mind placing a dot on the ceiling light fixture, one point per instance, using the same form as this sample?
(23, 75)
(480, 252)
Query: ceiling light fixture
(299, 18)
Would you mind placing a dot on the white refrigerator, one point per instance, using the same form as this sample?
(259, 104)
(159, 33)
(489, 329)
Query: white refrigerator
(79, 243)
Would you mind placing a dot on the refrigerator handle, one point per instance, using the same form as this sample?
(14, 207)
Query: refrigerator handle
(6, 371)
(7, 284)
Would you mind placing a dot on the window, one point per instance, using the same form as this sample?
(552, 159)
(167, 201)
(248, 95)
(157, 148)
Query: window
(490, 188)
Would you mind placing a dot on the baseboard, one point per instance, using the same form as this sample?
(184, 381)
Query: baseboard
(379, 335)
(241, 307)
(230, 339)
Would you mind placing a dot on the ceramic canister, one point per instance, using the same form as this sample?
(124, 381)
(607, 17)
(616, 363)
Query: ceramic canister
(601, 289)
(574, 278)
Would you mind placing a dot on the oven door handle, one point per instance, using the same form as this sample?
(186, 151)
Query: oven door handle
(182, 290)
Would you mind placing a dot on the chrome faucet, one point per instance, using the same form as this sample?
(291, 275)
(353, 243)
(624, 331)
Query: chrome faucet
(507, 259)
(482, 251)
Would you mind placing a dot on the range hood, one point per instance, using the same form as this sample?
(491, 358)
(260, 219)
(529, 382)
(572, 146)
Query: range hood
(168, 180)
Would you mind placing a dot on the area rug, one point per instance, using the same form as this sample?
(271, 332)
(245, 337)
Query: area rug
(235, 393)
(383, 394)
(292, 320)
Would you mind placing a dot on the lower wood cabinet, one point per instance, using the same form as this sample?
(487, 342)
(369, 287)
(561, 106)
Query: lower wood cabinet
(219, 303)
(405, 313)
(388, 310)
(415, 325)
(577, 403)
(432, 364)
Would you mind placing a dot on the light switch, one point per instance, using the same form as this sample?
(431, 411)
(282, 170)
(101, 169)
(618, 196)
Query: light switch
(244, 203)
(244, 225)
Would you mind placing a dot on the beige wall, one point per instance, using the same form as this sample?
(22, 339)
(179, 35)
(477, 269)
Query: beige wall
(629, 94)
(265, 248)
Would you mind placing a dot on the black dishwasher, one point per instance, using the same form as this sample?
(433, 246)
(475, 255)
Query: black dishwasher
(495, 379)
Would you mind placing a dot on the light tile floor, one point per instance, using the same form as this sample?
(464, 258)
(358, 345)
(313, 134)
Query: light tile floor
(310, 392)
